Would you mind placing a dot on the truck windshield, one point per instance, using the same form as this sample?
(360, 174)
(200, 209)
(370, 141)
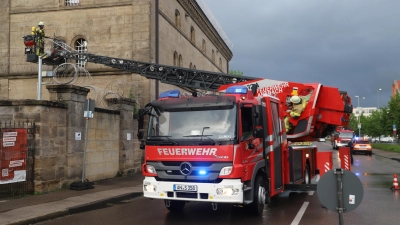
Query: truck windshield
(218, 125)
(346, 135)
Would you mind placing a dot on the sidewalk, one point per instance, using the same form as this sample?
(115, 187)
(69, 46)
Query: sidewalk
(36, 208)
(32, 209)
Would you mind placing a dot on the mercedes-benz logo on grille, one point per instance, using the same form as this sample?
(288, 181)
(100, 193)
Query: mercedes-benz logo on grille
(185, 168)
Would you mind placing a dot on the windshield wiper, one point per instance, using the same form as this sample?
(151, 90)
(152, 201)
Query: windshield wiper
(202, 141)
(167, 137)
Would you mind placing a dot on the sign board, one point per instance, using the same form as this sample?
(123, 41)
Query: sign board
(88, 108)
(353, 191)
(394, 127)
(128, 136)
(359, 126)
(13, 151)
(78, 136)
(88, 114)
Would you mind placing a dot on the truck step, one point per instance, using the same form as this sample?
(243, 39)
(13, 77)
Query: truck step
(247, 189)
(300, 187)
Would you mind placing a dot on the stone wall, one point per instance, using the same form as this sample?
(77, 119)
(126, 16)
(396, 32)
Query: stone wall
(50, 138)
(112, 147)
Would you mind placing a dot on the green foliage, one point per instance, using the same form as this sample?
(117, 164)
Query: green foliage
(386, 147)
(236, 72)
(380, 122)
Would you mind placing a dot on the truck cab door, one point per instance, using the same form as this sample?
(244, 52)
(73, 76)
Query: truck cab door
(250, 145)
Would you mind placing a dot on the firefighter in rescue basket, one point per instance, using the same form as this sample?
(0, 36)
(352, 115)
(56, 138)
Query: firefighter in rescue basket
(298, 104)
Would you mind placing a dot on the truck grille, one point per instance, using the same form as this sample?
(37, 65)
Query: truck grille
(171, 171)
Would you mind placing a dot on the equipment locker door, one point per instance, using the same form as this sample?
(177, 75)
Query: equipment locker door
(277, 145)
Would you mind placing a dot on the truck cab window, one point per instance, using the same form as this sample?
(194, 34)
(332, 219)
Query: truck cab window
(247, 124)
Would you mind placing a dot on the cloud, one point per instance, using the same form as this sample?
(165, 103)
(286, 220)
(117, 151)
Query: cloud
(353, 45)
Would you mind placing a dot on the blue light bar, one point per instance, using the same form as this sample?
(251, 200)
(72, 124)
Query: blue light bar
(170, 94)
(202, 172)
(237, 90)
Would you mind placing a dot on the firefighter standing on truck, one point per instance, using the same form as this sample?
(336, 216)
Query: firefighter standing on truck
(39, 41)
(298, 106)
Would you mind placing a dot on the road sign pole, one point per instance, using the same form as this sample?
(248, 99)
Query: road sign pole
(84, 150)
(340, 209)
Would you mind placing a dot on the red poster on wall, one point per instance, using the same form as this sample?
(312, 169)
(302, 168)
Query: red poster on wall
(13, 148)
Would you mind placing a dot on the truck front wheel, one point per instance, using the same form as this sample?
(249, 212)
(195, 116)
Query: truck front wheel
(173, 205)
(260, 195)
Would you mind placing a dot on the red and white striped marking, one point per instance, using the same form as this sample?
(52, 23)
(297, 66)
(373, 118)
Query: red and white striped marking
(346, 162)
(327, 167)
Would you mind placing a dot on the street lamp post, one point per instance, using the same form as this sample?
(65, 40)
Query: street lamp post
(358, 108)
(380, 89)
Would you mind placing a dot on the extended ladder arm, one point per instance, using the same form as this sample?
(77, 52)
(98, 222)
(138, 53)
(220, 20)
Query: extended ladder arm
(195, 79)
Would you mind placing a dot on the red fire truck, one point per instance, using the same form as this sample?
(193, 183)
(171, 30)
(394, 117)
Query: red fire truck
(233, 148)
(227, 147)
(341, 137)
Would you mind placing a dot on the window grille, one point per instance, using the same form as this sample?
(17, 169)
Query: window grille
(71, 2)
(81, 47)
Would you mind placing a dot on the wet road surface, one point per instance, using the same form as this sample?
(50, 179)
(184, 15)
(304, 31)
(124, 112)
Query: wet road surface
(380, 204)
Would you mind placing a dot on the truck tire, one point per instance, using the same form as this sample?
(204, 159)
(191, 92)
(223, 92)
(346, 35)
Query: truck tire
(259, 197)
(174, 205)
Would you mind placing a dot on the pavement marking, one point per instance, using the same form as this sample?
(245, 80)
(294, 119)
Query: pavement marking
(310, 192)
(297, 219)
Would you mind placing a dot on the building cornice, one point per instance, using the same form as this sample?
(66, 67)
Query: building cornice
(198, 16)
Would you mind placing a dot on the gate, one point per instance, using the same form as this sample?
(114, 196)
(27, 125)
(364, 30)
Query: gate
(17, 152)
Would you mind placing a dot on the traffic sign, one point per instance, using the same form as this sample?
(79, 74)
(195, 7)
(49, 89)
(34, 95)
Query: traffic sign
(352, 192)
(394, 127)
(359, 126)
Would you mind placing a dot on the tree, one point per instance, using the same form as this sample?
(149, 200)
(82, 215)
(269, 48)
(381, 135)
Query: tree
(236, 72)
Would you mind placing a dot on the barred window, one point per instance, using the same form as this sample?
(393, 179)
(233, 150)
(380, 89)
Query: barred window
(177, 19)
(192, 34)
(180, 61)
(175, 58)
(81, 46)
(71, 2)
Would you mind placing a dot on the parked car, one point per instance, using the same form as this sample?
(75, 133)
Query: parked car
(363, 146)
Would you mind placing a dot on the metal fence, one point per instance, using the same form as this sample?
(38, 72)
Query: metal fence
(17, 152)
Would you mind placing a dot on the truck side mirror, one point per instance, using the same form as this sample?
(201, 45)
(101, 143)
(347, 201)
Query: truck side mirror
(258, 132)
(256, 112)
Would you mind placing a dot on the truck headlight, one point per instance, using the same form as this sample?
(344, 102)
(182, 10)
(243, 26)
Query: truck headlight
(147, 186)
(227, 191)
(151, 169)
(226, 170)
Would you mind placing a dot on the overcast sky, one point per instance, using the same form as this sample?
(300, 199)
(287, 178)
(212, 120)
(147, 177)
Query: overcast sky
(350, 44)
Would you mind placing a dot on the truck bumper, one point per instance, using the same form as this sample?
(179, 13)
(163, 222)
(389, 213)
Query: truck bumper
(341, 144)
(227, 191)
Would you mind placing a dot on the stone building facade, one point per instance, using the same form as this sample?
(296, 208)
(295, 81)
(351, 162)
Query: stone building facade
(173, 32)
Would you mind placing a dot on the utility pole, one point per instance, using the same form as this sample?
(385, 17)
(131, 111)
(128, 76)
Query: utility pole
(358, 108)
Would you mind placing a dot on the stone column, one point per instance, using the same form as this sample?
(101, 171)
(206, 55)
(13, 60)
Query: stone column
(127, 128)
(74, 97)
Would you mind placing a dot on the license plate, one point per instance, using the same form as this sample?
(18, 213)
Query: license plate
(181, 187)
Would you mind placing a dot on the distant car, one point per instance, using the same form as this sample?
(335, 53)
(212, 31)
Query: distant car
(363, 146)
(321, 139)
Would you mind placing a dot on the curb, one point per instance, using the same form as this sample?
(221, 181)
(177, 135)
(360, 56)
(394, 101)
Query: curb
(104, 203)
(397, 159)
(41, 218)
(77, 209)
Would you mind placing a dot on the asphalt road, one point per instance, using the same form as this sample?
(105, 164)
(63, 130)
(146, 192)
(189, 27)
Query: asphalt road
(380, 205)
